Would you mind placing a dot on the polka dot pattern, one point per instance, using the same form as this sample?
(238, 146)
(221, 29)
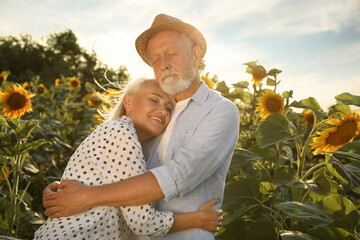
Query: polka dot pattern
(109, 154)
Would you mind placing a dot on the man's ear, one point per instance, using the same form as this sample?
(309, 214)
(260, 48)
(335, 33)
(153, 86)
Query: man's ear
(197, 55)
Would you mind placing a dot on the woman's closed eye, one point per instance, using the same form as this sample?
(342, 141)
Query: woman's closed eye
(154, 100)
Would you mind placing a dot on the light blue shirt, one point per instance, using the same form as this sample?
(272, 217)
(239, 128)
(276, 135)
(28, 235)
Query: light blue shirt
(197, 158)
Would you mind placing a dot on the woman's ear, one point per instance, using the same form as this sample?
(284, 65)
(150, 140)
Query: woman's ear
(127, 103)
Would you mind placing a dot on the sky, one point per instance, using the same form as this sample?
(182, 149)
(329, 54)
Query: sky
(315, 43)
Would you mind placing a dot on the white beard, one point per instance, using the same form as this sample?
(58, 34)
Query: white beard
(174, 85)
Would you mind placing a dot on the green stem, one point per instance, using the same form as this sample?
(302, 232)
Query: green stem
(355, 234)
(277, 214)
(298, 149)
(305, 149)
(266, 171)
(312, 169)
(305, 195)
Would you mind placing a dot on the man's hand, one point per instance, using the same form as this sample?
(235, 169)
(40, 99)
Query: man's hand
(65, 199)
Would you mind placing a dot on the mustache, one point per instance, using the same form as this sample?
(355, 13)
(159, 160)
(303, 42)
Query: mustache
(168, 73)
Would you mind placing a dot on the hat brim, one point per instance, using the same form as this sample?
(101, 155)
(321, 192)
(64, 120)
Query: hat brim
(189, 30)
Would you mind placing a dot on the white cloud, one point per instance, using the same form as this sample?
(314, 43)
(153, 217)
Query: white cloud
(313, 85)
(262, 18)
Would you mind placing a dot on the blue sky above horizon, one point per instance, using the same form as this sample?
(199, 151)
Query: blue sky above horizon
(315, 43)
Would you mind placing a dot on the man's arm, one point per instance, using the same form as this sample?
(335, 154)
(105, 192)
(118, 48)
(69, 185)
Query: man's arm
(208, 149)
(75, 197)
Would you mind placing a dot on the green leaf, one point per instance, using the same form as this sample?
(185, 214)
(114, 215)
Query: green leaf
(323, 184)
(267, 231)
(287, 94)
(339, 171)
(239, 193)
(243, 187)
(284, 175)
(25, 129)
(237, 213)
(339, 107)
(242, 84)
(274, 129)
(3, 121)
(330, 233)
(270, 82)
(221, 87)
(348, 222)
(24, 147)
(13, 122)
(242, 157)
(350, 150)
(337, 205)
(274, 72)
(309, 211)
(295, 235)
(311, 103)
(348, 99)
(289, 153)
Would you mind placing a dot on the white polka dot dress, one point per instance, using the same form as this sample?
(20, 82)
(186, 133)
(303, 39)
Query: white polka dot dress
(111, 153)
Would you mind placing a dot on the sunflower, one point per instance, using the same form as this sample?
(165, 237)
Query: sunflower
(26, 86)
(208, 81)
(74, 83)
(344, 129)
(95, 100)
(269, 103)
(258, 73)
(58, 82)
(2, 78)
(308, 117)
(41, 88)
(15, 101)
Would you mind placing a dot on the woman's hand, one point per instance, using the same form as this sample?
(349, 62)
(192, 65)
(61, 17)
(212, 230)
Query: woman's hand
(211, 219)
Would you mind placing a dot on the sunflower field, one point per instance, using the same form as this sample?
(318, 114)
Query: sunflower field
(295, 173)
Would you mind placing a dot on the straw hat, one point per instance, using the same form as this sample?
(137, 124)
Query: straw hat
(163, 22)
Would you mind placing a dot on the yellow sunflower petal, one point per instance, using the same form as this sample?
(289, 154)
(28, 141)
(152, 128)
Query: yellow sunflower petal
(342, 131)
(15, 101)
(269, 103)
(74, 83)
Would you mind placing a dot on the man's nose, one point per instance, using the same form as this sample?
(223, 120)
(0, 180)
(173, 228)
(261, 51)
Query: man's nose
(165, 64)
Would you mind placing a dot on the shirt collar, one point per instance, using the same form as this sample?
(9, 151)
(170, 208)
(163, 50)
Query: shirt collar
(201, 94)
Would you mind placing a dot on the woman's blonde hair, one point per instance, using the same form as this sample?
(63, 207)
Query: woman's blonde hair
(117, 103)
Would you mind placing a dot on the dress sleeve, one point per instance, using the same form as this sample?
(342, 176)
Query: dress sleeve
(119, 156)
(204, 152)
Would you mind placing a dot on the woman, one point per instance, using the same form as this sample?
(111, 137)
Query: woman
(112, 153)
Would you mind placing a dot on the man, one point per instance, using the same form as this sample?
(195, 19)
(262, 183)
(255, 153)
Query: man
(190, 161)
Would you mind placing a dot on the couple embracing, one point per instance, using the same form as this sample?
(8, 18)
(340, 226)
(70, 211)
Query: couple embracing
(168, 140)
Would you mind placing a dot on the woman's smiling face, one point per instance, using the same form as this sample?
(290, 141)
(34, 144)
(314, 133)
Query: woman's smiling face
(149, 109)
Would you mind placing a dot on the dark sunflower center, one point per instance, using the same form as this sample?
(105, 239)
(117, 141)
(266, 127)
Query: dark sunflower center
(41, 89)
(343, 134)
(74, 84)
(273, 105)
(16, 101)
(96, 102)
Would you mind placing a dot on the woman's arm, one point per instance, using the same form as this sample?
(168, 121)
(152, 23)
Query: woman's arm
(206, 218)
